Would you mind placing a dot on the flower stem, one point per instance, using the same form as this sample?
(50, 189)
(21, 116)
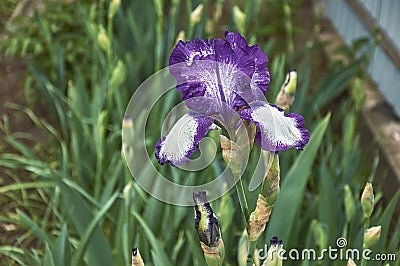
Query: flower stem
(246, 214)
(366, 226)
(250, 255)
(242, 199)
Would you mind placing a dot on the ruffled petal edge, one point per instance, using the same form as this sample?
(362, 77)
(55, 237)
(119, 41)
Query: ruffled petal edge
(178, 145)
(277, 130)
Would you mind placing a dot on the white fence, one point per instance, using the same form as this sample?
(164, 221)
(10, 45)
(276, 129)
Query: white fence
(354, 19)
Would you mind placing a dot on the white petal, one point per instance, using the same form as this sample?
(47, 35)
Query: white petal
(183, 139)
(277, 130)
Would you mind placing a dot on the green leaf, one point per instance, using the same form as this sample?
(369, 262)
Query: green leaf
(33, 227)
(26, 185)
(98, 250)
(155, 244)
(384, 221)
(194, 245)
(62, 249)
(48, 257)
(90, 230)
(293, 187)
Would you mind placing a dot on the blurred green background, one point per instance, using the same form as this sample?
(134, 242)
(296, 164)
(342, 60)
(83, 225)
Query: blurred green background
(67, 196)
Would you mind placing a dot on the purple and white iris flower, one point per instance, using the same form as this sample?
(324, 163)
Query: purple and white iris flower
(216, 77)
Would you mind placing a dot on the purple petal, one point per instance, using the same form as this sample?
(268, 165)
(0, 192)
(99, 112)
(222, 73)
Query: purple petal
(216, 68)
(277, 131)
(183, 139)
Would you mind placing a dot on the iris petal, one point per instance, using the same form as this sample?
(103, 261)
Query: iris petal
(276, 130)
(183, 139)
(215, 68)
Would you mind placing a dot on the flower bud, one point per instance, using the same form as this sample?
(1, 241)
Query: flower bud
(357, 93)
(158, 6)
(274, 254)
(320, 233)
(128, 138)
(136, 258)
(209, 28)
(102, 39)
(239, 17)
(285, 97)
(180, 36)
(243, 251)
(371, 236)
(118, 75)
(114, 6)
(351, 262)
(367, 200)
(195, 16)
(208, 230)
(214, 256)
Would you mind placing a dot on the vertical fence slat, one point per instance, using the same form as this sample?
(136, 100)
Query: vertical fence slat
(384, 68)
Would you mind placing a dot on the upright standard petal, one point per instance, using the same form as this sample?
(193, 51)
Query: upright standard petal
(216, 68)
(277, 131)
(183, 139)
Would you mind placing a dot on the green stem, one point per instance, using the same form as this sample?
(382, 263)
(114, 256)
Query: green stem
(366, 226)
(242, 199)
(366, 223)
(246, 214)
(288, 26)
(250, 255)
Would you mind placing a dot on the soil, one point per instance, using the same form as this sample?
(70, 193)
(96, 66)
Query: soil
(12, 73)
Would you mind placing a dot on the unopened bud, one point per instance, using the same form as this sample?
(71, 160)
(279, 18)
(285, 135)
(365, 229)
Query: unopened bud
(102, 39)
(208, 230)
(367, 200)
(128, 138)
(136, 258)
(210, 26)
(371, 236)
(180, 36)
(214, 256)
(195, 16)
(320, 233)
(239, 17)
(114, 6)
(357, 92)
(351, 262)
(285, 97)
(274, 254)
(118, 75)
